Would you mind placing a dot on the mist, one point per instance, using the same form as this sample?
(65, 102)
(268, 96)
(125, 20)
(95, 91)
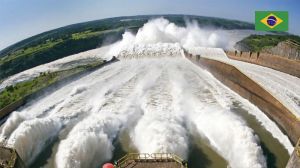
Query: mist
(153, 92)
(161, 30)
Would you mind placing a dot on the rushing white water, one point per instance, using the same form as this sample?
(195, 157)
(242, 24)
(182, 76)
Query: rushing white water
(153, 92)
(153, 95)
(261, 77)
(31, 136)
(160, 30)
(155, 31)
(157, 50)
(283, 86)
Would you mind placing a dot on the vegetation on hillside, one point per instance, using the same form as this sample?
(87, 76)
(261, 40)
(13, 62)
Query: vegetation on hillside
(258, 42)
(14, 93)
(31, 50)
(50, 50)
(72, 39)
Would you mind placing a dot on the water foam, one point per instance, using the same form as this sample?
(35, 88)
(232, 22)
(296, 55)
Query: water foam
(147, 96)
(157, 50)
(161, 127)
(32, 136)
(215, 123)
(160, 30)
(85, 144)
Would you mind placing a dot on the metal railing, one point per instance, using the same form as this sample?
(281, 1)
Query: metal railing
(130, 158)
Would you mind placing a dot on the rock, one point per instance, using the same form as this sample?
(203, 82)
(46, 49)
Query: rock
(288, 48)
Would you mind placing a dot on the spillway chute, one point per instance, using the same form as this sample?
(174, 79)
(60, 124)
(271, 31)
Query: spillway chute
(158, 50)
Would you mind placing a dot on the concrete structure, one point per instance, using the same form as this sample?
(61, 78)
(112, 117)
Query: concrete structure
(9, 158)
(240, 83)
(249, 89)
(11, 107)
(276, 62)
(155, 160)
(294, 161)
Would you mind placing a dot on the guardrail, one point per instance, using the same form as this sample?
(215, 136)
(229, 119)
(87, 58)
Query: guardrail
(129, 158)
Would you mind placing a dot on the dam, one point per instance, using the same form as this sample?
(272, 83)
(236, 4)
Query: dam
(157, 99)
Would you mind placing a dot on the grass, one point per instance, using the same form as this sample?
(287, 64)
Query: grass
(50, 43)
(54, 48)
(90, 33)
(31, 50)
(257, 43)
(14, 93)
(20, 90)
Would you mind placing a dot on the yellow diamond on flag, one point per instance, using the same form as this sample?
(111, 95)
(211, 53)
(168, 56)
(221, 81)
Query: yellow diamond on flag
(271, 21)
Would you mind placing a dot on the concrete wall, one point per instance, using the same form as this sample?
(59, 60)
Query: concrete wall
(294, 161)
(9, 158)
(279, 63)
(11, 107)
(249, 89)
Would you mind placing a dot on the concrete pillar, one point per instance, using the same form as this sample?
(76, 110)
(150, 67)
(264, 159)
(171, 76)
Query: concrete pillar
(294, 161)
(9, 158)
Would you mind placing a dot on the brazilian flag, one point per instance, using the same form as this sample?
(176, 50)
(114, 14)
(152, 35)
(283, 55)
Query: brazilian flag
(271, 20)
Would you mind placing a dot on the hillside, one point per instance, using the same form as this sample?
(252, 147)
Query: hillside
(64, 41)
(19, 91)
(259, 42)
(282, 45)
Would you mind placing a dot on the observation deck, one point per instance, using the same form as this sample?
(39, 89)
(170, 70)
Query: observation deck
(155, 160)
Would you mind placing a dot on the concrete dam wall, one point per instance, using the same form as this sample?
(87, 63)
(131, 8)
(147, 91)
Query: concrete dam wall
(294, 161)
(279, 63)
(249, 89)
(256, 94)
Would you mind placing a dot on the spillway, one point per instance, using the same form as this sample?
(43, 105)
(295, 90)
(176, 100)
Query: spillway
(160, 102)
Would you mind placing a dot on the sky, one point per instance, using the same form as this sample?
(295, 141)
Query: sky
(20, 19)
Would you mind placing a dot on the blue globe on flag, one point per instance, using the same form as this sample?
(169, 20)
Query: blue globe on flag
(271, 20)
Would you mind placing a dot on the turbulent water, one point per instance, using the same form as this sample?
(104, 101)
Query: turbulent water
(153, 94)
(283, 86)
(158, 100)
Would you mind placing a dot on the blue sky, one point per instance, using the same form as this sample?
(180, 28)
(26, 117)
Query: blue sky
(20, 19)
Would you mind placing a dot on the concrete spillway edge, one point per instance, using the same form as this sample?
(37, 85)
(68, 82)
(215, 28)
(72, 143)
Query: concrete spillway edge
(236, 80)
